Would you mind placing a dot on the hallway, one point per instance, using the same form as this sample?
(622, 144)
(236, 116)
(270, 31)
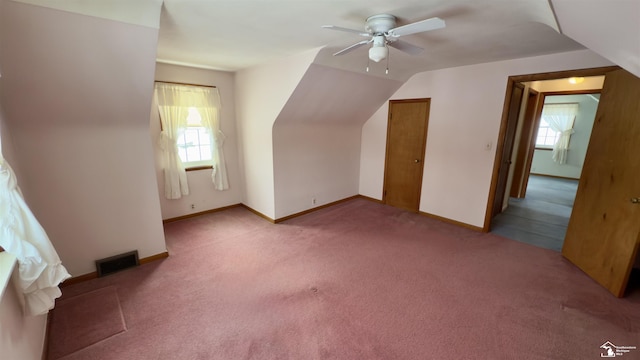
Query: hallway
(541, 218)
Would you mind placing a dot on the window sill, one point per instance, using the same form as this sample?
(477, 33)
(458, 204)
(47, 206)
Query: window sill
(195, 168)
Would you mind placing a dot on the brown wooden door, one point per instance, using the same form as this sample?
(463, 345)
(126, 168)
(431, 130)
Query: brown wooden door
(507, 149)
(603, 233)
(526, 147)
(406, 140)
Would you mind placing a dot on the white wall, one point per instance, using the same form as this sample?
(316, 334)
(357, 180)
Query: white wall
(21, 337)
(466, 110)
(76, 94)
(317, 136)
(543, 163)
(261, 93)
(314, 161)
(6, 140)
(201, 191)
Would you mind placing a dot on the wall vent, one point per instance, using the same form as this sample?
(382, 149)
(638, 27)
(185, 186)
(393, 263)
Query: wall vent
(117, 263)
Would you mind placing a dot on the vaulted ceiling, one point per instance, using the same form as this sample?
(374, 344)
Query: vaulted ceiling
(231, 35)
(235, 34)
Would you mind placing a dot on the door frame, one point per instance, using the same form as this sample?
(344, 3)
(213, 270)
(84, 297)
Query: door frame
(531, 140)
(424, 146)
(511, 81)
(523, 150)
(507, 149)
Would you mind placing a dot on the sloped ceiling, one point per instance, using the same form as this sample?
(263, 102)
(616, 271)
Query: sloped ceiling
(231, 35)
(329, 96)
(136, 12)
(236, 34)
(609, 28)
(55, 74)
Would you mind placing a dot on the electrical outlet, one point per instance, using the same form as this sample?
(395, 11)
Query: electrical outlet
(193, 206)
(313, 201)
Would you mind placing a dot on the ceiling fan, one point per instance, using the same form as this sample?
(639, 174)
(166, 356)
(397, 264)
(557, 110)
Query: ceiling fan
(381, 31)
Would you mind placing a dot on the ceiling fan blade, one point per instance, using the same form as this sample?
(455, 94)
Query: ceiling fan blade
(416, 27)
(359, 32)
(406, 47)
(352, 47)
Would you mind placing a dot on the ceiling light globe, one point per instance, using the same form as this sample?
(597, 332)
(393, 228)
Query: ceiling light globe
(378, 53)
(576, 80)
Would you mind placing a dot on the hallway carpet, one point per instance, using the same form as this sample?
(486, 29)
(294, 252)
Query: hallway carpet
(542, 217)
(358, 280)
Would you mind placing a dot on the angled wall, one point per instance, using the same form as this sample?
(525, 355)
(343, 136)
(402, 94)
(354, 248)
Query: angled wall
(76, 94)
(316, 137)
(261, 93)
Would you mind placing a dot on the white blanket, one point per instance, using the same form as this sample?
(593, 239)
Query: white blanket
(40, 269)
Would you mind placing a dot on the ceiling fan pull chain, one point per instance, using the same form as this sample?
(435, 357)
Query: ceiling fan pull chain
(387, 70)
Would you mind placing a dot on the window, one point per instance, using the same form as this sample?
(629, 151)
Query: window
(194, 141)
(547, 137)
(556, 119)
(190, 136)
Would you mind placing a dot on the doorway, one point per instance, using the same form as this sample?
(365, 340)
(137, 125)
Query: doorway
(406, 142)
(544, 182)
(603, 235)
(523, 148)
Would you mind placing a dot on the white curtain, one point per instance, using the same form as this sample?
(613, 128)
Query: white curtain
(173, 117)
(39, 268)
(560, 118)
(207, 101)
(210, 113)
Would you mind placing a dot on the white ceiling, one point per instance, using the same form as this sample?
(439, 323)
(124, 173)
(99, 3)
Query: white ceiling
(235, 34)
(607, 27)
(231, 35)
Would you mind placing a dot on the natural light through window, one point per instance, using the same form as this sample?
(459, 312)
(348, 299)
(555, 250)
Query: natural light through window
(556, 120)
(547, 137)
(194, 142)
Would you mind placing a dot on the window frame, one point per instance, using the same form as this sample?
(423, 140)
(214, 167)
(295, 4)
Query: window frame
(537, 146)
(198, 164)
(548, 147)
(187, 167)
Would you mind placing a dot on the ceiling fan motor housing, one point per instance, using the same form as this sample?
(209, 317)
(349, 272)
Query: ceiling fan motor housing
(380, 24)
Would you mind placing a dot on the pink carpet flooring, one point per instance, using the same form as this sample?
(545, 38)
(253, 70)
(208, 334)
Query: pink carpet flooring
(102, 306)
(358, 280)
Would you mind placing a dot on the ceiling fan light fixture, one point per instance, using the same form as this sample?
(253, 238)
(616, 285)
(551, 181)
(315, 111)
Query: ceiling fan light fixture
(378, 53)
(382, 32)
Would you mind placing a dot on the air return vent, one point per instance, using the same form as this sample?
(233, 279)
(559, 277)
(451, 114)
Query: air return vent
(116, 263)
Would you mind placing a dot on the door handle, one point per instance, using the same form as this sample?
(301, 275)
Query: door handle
(635, 200)
(416, 161)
